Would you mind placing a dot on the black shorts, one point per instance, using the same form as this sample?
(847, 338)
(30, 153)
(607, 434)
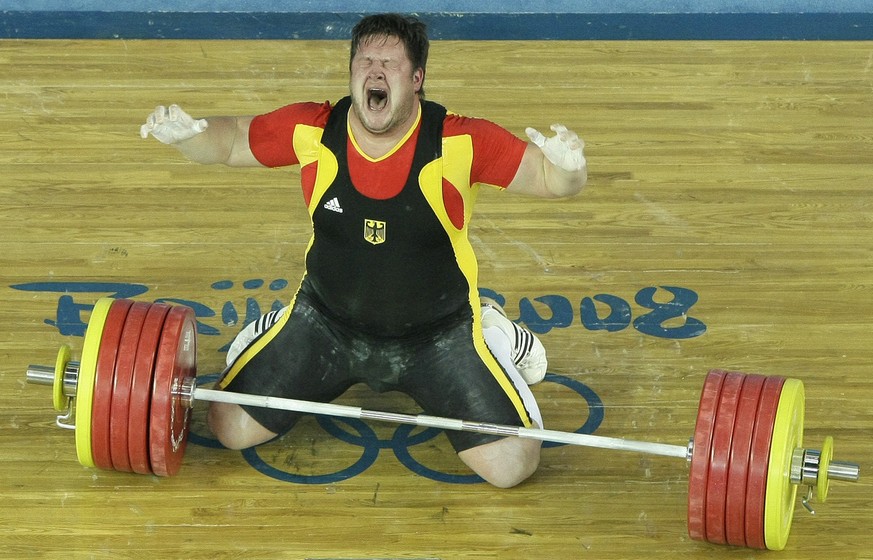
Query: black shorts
(448, 370)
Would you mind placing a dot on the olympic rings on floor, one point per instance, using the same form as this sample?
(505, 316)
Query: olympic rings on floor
(403, 438)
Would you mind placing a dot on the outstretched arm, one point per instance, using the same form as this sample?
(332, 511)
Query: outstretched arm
(551, 167)
(211, 140)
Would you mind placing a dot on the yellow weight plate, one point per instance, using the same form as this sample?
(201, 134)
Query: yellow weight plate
(822, 482)
(59, 400)
(85, 383)
(781, 493)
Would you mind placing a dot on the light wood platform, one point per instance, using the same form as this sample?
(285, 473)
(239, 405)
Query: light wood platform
(740, 172)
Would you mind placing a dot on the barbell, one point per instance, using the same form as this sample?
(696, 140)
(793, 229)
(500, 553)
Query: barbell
(129, 399)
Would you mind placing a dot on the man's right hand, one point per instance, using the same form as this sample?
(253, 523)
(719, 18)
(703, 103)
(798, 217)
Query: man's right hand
(171, 125)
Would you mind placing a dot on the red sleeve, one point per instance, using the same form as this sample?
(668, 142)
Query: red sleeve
(497, 152)
(271, 136)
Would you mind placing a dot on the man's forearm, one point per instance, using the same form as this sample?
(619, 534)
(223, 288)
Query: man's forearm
(213, 145)
(562, 183)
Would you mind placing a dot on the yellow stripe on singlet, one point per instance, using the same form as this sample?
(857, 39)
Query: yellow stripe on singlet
(246, 356)
(459, 151)
(308, 148)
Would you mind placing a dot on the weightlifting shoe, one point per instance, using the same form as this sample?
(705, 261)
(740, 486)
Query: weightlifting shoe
(528, 353)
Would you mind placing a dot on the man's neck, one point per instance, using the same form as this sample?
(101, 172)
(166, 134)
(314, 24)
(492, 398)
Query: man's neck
(378, 145)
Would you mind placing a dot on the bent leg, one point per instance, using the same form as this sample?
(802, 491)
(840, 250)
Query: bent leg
(473, 378)
(504, 463)
(289, 353)
(234, 427)
(509, 461)
(499, 345)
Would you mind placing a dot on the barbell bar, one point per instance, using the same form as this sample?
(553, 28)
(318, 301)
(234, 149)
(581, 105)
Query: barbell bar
(132, 391)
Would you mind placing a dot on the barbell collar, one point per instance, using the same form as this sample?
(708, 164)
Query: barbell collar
(45, 375)
(805, 468)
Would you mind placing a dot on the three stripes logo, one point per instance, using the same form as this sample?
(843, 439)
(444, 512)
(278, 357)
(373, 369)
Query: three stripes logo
(333, 205)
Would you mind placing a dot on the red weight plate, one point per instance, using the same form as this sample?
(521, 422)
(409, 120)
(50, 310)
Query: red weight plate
(719, 456)
(121, 386)
(759, 460)
(141, 389)
(104, 379)
(699, 471)
(176, 361)
(738, 473)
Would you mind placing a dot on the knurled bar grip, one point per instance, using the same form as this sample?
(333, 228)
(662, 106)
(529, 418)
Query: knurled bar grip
(330, 409)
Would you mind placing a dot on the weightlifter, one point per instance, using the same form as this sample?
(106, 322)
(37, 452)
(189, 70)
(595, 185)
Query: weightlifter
(389, 296)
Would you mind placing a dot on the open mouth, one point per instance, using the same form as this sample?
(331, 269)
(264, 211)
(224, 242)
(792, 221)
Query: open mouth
(377, 99)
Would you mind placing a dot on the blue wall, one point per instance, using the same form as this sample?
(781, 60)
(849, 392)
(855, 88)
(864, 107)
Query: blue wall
(448, 19)
(438, 6)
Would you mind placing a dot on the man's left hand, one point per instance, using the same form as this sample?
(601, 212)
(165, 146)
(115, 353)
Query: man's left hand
(564, 149)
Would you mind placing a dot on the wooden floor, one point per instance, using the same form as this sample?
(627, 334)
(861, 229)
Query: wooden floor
(731, 179)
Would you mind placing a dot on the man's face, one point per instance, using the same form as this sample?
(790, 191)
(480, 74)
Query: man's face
(383, 84)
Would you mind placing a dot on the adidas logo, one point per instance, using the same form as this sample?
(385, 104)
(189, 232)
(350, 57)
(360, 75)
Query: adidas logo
(333, 205)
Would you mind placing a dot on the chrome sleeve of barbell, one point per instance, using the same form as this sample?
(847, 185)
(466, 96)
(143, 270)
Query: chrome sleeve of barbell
(805, 465)
(845, 471)
(45, 375)
(40, 375)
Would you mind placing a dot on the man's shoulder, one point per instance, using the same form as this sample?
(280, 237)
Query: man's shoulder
(305, 112)
(456, 125)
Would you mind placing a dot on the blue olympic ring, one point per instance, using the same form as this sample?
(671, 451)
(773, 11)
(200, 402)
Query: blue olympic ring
(365, 434)
(595, 406)
(399, 443)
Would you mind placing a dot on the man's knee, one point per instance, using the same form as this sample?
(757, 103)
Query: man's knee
(504, 463)
(234, 428)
